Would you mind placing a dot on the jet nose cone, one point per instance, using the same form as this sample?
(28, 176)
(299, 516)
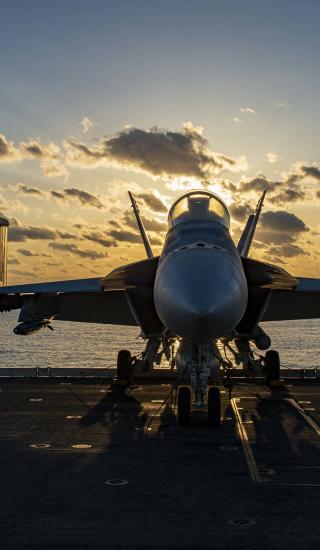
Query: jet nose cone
(200, 294)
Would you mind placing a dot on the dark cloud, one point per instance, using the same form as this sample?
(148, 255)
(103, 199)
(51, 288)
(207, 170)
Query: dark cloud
(85, 198)
(30, 254)
(258, 184)
(58, 195)
(7, 149)
(240, 211)
(281, 220)
(154, 202)
(19, 233)
(288, 195)
(154, 225)
(48, 154)
(127, 218)
(25, 189)
(311, 171)
(13, 261)
(73, 249)
(33, 148)
(158, 152)
(280, 227)
(289, 250)
(125, 235)
(291, 188)
(99, 238)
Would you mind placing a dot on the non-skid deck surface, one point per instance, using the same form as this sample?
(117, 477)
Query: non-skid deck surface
(90, 466)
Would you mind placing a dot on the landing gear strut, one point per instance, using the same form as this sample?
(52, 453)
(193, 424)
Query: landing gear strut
(214, 407)
(124, 362)
(184, 406)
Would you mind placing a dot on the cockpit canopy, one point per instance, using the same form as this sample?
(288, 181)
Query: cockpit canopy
(199, 206)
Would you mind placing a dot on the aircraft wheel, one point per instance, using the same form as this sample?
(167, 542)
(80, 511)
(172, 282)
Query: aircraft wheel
(272, 366)
(124, 361)
(184, 406)
(214, 407)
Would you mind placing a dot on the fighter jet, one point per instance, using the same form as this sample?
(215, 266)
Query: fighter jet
(198, 304)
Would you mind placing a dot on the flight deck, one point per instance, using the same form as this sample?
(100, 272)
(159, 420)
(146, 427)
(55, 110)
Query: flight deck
(89, 464)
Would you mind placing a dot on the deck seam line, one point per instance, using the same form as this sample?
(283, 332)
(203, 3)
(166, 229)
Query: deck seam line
(246, 445)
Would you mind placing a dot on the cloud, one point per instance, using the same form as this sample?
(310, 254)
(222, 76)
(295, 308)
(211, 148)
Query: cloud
(54, 168)
(289, 250)
(99, 238)
(125, 235)
(273, 158)
(48, 154)
(236, 119)
(27, 253)
(154, 225)
(58, 195)
(13, 261)
(281, 220)
(240, 211)
(153, 200)
(73, 249)
(19, 233)
(86, 124)
(26, 190)
(280, 227)
(282, 105)
(8, 152)
(156, 152)
(312, 171)
(249, 110)
(294, 185)
(83, 197)
(24, 273)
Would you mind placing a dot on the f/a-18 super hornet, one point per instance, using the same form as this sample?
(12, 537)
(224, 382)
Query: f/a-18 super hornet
(201, 296)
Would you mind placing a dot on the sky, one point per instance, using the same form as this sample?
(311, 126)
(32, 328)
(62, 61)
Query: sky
(101, 97)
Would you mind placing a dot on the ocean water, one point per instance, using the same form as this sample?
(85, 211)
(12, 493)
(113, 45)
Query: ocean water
(96, 346)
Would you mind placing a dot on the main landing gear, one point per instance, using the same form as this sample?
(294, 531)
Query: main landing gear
(271, 367)
(213, 406)
(124, 367)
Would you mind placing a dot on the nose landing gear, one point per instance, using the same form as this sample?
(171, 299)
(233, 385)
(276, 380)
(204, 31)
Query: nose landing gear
(213, 406)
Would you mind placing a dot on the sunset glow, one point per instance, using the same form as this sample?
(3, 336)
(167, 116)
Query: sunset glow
(203, 108)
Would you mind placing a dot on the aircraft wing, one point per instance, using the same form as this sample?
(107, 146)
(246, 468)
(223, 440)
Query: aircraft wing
(77, 285)
(275, 295)
(302, 302)
(124, 297)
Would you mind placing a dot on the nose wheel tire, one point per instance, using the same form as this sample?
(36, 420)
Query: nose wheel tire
(124, 362)
(214, 407)
(184, 407)
(272, 366)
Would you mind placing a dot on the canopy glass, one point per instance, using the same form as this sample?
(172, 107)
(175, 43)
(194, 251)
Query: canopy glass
(199, 206)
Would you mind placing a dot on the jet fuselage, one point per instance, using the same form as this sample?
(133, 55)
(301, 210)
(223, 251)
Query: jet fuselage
(200, 290)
